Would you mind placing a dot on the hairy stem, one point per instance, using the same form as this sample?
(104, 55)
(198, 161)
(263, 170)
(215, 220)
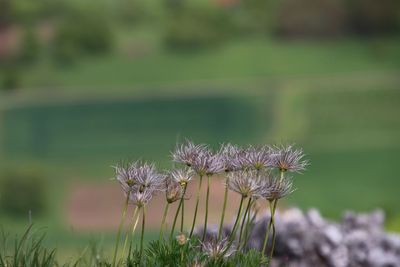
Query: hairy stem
(142, 234)
(247, 230)
(163, 220)
(127, 235)
(175, 219)
(206, 215)
(221, 223)
(272, 205)
(246, 212)
(273, 235)
(120, 228)
(233, 233)
(183, 206)
(197, 206)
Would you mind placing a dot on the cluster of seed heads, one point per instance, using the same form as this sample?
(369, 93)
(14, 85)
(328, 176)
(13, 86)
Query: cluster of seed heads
(250, 171)
(255, 172)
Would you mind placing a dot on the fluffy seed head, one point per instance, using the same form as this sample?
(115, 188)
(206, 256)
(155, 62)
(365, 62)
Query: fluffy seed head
(182, 176)
(245, 182)
(216, 249)
(287, 158)
(231, 157)
(148, 177)
(140, 181)
(207, 163)
(125, 175)
(276, 188)
(187, 152)
(256, 158)
(141, 198)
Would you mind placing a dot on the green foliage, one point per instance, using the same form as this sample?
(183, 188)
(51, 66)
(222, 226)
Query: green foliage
(173, 254)
(25, 251)
(82, 32)
(310, 18)
(372, 17)
(30, 250)
(198, 26)
(11, 78)
(30, 47)
(329, 18)
(23, 191)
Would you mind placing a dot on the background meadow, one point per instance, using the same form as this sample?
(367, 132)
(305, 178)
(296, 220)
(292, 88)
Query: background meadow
(87, 84)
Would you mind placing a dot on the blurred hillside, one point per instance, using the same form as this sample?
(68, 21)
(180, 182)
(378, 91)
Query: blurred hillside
(86, 84)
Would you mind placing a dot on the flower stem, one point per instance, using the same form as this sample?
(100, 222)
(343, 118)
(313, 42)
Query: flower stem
(183, 206)
(163, 220)
(273, 234)
(233, 233)
(244, 219)
(221, 223)
(197, 206)
(207, 199)
(247, 230)
(142, 234)
(175, 219)
(272, 205)
(134, 226)
(127, 235)
(120, 228)
(282, 176)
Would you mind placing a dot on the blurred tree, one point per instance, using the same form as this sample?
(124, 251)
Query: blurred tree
(5, 13)
(374, 17)
(30, 46)
(82, 32)
(21, 191)
(197, 26)
(11, 77)
(310, 18)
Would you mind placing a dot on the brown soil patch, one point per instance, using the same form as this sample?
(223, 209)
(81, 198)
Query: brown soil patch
(94, 206)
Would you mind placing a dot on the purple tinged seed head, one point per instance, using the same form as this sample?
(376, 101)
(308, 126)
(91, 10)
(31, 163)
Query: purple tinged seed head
(182, 176)
(245, 182)
(187, 152)
(256, 157)
(287, 158)
(231, 157)
(275, 188)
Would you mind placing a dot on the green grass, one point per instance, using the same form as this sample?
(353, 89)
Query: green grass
(236, 60)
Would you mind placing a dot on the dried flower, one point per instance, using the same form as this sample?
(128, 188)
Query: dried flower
(207, 163)
(245, 182)
(173, 190)
(138, 176)
(141, 198)
(182, 176)
(187, 152)
(276, 188)
(125, 175)
(146, 176)
(286, 158)
(182, 239)
(231, 157)
(256, 157)
(216, 249)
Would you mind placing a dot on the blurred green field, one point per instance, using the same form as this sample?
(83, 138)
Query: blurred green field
(141, 62)
(340, 102)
